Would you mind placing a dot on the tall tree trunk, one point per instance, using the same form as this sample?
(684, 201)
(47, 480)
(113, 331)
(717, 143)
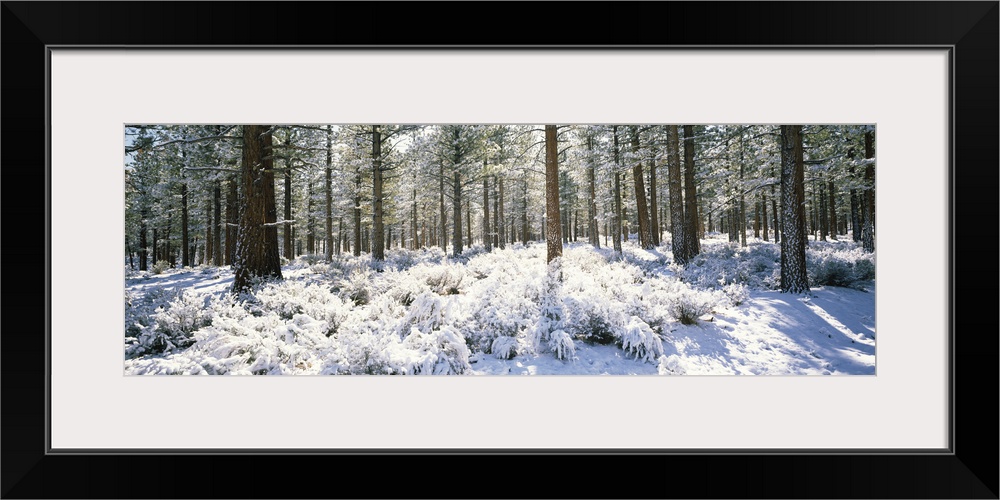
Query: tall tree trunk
(257, 238)
(468, 224)
(824, 223)
(832, 201)
(378, 217)
(217, 223)
(442, 236)
(286, 228)
(340, 234)
(524, 212)
(868, 231)
(676, 197)
(763, 214)
(328, 194)
(356, 247)
(777, 214)
(616, 221)
(413, 227)
(691, 227)
(553, 242)
(497, 226)
(595, 238)
(487, 239)
(793, 240)
(157, 252)
(756, 219)
(642, 211)
(310, 221)
(501, 223)
(654, 218)
(457, 200)
(185, 252)
(143, 249)
(207, 257)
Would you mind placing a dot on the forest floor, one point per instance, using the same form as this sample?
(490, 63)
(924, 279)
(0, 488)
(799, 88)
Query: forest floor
(506, 312)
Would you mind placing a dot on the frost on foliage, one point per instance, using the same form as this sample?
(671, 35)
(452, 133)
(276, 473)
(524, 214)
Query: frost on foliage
(170, 327)
(686, 305)
(504, 347)
(671, 365)
(839, 264)
(550, 327)
(438, 352)
(736, 293)
(640, 340)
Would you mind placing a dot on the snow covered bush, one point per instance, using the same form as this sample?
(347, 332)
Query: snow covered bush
(437, 352)
(737, 293)
(839, 264)
(172, 325)
(686, 305)
(160, 266)
(291, 298)
(356, 286)
(639, 339)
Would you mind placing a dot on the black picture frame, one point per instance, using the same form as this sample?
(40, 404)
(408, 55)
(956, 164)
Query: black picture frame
(968, 470)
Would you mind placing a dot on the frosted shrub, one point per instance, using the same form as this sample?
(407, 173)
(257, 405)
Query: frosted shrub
(290, 298)
(172, 325)
(356, 286)
(427, 312)
(561, 345)
(438, 352)
(160, 266)
(504, 347)
(639, 339)
(737, 293)
(403, 287)
(443, 279)
(686, 305)
(838, 264)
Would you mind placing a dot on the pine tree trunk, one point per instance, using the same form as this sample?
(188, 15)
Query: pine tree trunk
(502, 226)
(553, 241)
(442, 235)
(310, 221)
(328, 194)
(457, 200)
(616, 222)
(497, 226)
(756, 219)
(143, 249)
(676, 197)
(654, 219)
(832, 200)
(763, 214)
(257, 238)
(524, 213)
(356, 247)
(642, 210)
(793, 241)
(286, 228)
(378, 216)
(185, 254)
(487, 239)
(691, 226)
(868, 230)
(775, 212)
(413, 226)
(595, 238)
(209, 240)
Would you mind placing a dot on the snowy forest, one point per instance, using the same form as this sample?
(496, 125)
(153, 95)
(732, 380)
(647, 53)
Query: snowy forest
(644, 249)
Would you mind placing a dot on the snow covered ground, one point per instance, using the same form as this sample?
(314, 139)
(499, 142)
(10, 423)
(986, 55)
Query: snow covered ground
(506, 312)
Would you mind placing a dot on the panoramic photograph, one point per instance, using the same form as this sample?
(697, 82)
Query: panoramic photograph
(499, 249)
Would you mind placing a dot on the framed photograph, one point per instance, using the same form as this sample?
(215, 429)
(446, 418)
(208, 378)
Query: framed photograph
(162, 84)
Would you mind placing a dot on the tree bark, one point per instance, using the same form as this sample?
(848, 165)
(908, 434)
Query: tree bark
(286, 228)
(793, 242)
(654, 219)
(457, 199)
(868, 231)
(595, 238)
(257, 242)
(328, 194)
(832, 202)
(616, 222)
(356, 247)
(642, 210)
(553, 242)
(676, 197)
(691, 226)
(501, 224)
(497, 226)
(763, 214)
(442, 236)
(487, 238)
(143, 250)
(378, 217)
(185, 251)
